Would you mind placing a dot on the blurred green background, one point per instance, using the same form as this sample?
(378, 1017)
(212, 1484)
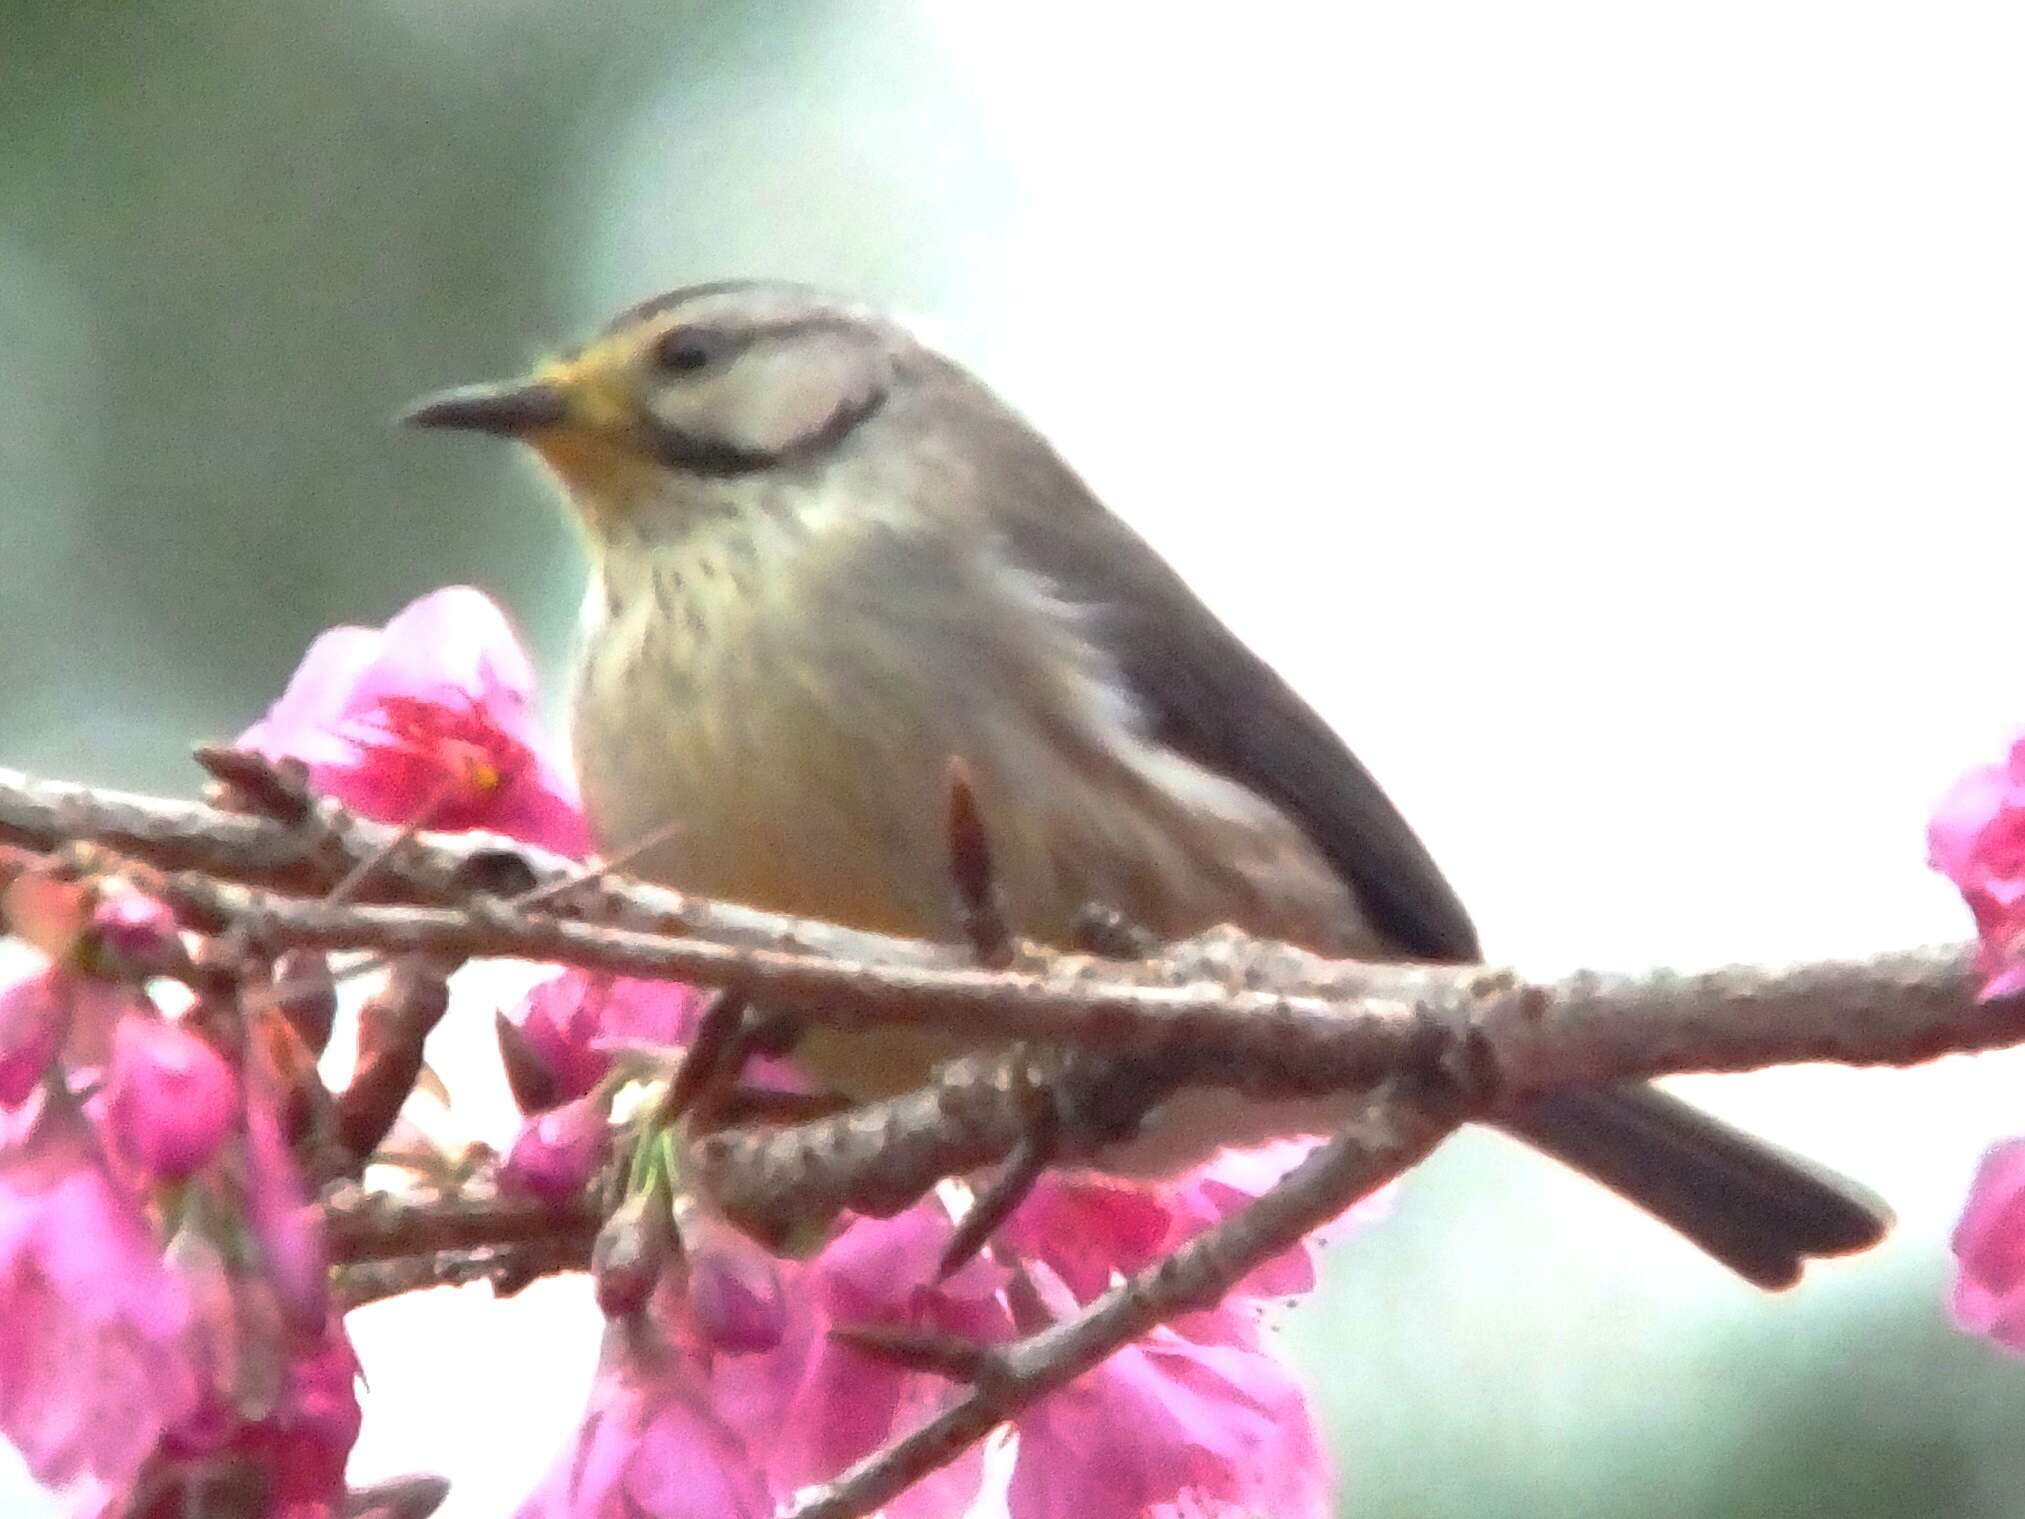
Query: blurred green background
(234, 239)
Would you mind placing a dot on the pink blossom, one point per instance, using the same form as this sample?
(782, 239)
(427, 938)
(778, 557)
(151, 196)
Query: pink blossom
(847, 1403)
(34, 1016)
(653, 1445)
(60, 1010)
(1976, 838)
(1989, 1246)
(1208, 1428)
(92, 1365)
(279, 1408)
(1202, 1417)
(1084, 1228)
(556, 1153)
(296, 1427)
(430, 716)
(571, 1022)
(171, 1098)
(681, 1424)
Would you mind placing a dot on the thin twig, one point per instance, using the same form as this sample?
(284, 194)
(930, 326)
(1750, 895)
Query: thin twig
(362, 869)
(396, 1498)
(603, 870)
(946, 1355)
(376, 1226)
(509, 1269)
(996, 1201)
(394, 1026)
(276, 788)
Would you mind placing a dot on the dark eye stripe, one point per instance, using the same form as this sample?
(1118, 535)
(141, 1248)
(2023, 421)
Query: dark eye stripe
(688, 350)
(695, 455)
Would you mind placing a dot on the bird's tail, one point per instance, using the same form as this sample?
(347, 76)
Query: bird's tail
(1760, 1210)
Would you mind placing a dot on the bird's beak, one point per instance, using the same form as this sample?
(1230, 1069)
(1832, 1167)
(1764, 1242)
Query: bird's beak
(511, 409)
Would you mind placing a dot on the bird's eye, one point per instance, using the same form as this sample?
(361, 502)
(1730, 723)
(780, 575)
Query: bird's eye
(685, 350)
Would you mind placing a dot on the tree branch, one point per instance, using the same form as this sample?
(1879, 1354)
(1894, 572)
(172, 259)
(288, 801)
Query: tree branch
(1298, 1021)
(1341, 1027)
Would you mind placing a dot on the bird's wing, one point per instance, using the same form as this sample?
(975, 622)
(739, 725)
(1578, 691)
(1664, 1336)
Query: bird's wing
(1212, 699)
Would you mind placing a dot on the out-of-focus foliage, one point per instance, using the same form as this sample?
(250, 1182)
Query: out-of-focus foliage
(236, 237)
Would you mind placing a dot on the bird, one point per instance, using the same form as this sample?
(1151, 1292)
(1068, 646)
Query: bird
(827, 562)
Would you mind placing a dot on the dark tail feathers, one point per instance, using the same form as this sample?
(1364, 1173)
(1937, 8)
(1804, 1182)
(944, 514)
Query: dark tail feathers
(1758, 1209)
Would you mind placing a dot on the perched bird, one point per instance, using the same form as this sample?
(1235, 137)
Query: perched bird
(826, 561)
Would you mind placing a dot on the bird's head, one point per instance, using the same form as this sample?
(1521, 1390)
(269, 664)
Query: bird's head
(681, 402)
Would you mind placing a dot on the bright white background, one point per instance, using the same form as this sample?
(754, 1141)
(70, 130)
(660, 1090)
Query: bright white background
(1609, 415)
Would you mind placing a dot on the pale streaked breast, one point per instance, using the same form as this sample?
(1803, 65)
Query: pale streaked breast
(795, 734)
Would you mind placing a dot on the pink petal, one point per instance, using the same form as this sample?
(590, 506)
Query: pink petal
(1989, 1247)
(540, 807)
(2008, 981)
(1086, 1228)
(1959, 819)
(34, 1017)
(93, 1365)
(1171, 1421)
(304, 723)
(571, 1021)
(652, 1445)
(688, 1466)
(881, 1267)
(456, 639)
(1976, 838)
(736, 1300)
(284, 1226)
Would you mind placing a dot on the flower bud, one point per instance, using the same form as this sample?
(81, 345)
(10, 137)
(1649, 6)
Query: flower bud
(172, 1098)
(635, 1246)
(557, 1153)
(529, 1075)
